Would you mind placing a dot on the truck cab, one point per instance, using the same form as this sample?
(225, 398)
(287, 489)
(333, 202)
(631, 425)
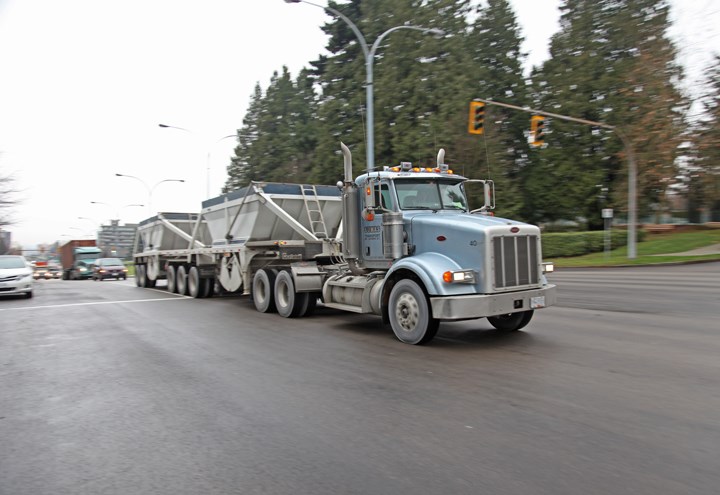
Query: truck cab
(438, 259)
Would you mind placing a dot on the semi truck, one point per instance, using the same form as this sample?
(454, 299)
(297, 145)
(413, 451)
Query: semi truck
(77, 257)
(401, 243)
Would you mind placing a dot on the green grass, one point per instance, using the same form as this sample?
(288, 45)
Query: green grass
(648, 251)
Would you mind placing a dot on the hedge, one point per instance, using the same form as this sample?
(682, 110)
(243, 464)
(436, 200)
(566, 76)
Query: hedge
(562, 245)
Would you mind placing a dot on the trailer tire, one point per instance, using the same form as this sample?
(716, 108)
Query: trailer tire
(171, 275)
(312, 303)
(207, 287)
(289, 303)
(409, 313)
(262, 291)
(511, 322)
(140, 275)
(194, 283)
(181, 281)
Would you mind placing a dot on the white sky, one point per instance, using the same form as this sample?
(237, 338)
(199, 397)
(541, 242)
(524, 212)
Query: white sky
(85, 83)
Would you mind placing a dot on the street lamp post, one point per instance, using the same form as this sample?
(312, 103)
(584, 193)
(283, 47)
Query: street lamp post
(369, 54)
(149, 189)
(209, 151)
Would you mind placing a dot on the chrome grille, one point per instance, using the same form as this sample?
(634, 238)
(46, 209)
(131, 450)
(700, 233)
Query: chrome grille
(515, 261)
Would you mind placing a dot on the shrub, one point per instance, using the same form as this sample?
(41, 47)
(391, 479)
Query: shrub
(563, 245)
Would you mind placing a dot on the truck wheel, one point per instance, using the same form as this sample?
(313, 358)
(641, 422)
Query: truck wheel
(181, 281)
(171, 275)
(511, 322)
(193, 282)
(409, 313)
(262, 291)
(289, 303)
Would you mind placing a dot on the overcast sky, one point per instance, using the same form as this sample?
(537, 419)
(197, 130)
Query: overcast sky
(85, 83)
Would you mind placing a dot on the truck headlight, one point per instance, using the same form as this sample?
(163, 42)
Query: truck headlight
(548, 267)
(459, 277)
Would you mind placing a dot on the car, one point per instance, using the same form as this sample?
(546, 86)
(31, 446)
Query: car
(109, 268)
(16, 276)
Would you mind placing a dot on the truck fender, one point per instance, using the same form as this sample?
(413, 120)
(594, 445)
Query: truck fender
(428, 267)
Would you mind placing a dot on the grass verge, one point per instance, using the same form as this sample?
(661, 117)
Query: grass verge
(655, 249)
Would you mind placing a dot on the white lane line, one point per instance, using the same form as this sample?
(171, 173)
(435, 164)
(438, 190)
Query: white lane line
(178, 298)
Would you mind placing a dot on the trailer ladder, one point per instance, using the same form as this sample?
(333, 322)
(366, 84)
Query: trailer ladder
(314, 212)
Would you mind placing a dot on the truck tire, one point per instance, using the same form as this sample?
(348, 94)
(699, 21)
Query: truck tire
(512, 321)
(194, 283)
(262, 291)
(289, 303)
(409, 313)
(171, 275)
(181, 281)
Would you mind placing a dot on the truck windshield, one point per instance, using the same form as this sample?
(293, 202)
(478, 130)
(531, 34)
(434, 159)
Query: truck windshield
(87, 256)
(431, 194)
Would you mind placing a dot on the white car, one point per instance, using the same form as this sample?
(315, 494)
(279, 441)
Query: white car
(16, 276)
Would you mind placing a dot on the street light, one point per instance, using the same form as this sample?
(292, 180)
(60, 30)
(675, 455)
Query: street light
(369, 58)
(209, 150)
(149, 189)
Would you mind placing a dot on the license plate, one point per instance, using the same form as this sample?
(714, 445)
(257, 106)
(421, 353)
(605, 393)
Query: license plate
(537, 302)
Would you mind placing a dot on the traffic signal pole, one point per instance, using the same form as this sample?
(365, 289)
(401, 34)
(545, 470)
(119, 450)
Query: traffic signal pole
(630, 153)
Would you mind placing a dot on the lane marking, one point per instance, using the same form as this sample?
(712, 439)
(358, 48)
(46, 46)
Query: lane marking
(177, 298)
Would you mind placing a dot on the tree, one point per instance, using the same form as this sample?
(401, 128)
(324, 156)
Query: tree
(705, 172)
(611, 62)
(8, 199)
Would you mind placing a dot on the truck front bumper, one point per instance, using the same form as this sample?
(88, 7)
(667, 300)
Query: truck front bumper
(481, 305)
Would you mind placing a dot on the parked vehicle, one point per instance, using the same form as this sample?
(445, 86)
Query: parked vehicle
(16, 276)
(77, 258)
(401, 243)
(109, 268)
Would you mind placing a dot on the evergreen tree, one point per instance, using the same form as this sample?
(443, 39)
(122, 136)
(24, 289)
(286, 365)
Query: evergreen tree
(611, 62)
(497, 73)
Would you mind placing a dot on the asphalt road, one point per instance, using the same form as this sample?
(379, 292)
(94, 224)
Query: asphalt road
(110, 389)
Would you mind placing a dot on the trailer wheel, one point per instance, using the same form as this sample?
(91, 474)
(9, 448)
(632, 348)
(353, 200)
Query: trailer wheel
(140, 276)
(409, 313)
(171, 275)
(207, 287)
(262, 291)
(194, 283)
(289, 303)
(512, 321)
(181, 281)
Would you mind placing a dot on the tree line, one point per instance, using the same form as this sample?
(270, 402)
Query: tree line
(611, 61)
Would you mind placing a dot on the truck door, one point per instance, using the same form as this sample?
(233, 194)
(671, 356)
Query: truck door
(371, 222)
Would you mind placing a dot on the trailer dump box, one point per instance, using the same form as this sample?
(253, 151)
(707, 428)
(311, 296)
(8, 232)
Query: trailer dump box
(167, 231)
(273, 211)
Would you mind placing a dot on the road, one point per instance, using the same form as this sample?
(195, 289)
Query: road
(110, 389)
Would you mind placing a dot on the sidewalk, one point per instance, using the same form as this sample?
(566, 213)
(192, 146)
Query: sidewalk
(714, 249)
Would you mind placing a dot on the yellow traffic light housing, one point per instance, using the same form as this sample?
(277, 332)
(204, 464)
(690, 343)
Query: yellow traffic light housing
(476, 119)
(537, 130)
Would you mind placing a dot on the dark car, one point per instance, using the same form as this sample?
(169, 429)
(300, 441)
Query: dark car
(109, 268)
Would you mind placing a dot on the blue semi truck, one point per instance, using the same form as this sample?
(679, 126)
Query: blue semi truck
(402, 243)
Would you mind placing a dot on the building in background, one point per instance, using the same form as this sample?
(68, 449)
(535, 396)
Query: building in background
(117, 240)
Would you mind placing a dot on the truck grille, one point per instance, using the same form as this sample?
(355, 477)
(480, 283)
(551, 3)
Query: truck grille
(515, 261)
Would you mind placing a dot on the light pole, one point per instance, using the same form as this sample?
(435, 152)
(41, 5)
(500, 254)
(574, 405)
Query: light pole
(369, 54)
(209, 151)
(117, 210)
(149, 189)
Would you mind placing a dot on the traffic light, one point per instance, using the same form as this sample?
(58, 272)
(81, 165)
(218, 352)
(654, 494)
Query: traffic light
(476, 119)
(537, 130)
